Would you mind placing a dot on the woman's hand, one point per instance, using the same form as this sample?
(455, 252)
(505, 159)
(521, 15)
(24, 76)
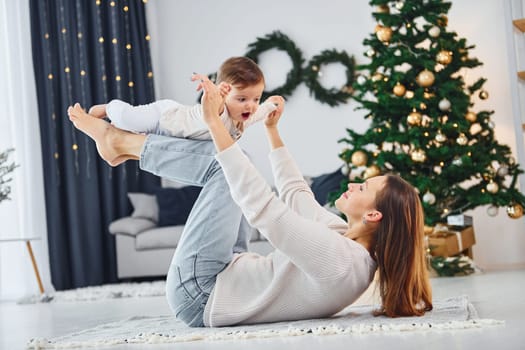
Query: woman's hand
(212, 98)
(273, 118)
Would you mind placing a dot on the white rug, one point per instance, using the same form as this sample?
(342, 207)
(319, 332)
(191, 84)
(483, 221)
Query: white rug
(107, 291)
(453, 313)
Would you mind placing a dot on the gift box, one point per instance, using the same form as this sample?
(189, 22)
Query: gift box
(449, 241)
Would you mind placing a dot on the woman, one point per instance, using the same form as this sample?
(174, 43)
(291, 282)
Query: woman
(321, 264)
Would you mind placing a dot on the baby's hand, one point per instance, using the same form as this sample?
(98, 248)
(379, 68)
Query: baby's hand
(273, 117)
(225, 89)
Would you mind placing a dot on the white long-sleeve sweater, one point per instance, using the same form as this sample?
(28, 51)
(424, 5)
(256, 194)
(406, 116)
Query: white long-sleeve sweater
(314, 272)
(176, 119)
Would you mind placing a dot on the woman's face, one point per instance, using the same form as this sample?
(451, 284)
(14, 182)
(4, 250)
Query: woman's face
(242, 103)
(360, 198)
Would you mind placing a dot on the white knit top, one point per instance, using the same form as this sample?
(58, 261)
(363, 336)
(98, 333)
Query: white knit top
(314, 272)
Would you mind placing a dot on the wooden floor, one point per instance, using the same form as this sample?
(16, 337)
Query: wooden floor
(497, 295)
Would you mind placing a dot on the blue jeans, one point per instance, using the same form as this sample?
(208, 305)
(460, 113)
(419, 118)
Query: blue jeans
(215, 228)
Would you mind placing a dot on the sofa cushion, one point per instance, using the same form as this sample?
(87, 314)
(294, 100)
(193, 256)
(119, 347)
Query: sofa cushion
(323, 185)
(130, 226)
(159, 237)
(144, 206)
(175, 204)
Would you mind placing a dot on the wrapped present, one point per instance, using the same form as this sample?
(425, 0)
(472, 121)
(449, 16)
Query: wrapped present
(447, 240)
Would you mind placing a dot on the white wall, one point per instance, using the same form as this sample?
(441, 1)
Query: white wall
(190, 36)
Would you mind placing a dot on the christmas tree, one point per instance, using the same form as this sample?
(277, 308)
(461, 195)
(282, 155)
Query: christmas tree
(424, 125)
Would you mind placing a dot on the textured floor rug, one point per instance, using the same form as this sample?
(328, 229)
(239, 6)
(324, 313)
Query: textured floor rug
(453, 313)
(107, 291)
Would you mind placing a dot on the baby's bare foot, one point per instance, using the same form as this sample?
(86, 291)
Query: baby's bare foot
(98, 111)
(104, 134)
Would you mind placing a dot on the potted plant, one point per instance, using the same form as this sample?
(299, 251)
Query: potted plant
(5, 169)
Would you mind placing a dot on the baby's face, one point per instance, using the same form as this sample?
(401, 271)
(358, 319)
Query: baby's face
(243, 102)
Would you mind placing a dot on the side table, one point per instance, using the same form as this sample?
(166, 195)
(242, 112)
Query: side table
(28, 240)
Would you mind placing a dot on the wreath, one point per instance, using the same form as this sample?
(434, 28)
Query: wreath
(331, 96)
(280, 41)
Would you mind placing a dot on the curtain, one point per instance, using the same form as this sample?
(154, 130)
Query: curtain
(88, 52)
(24, 215)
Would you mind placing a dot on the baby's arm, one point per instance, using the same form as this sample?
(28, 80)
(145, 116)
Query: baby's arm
(271, 104)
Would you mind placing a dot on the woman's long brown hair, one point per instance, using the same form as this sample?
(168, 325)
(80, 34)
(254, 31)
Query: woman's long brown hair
(399, 247)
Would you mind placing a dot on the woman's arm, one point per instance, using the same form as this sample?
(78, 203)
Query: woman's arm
(212, 101)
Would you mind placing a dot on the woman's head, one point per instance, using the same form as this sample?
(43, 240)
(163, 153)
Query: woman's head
(247, 85)
(400, 250)
(386, 216)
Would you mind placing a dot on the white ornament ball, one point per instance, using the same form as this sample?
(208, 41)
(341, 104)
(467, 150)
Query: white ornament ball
(444, 105)
(429, 198)
(434, 31)
(457, 161)
(345, 170)
(440, 137)
(370, 52)
(361, 79)
(399, 5)
(462, 139)
(503, 171)
(492, 187)
(492, 210)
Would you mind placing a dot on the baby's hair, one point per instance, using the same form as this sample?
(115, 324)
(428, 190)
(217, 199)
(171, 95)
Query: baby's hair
(240, 71)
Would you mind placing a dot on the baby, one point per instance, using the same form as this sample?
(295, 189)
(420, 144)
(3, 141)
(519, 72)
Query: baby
(241, 82)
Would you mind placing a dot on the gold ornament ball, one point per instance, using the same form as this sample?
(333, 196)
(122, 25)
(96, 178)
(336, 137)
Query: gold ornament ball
(443, 21)
(515, 211)
(414, 118)
(471, 116)
(371, 171)
(483, 95)
(399, 89)
(377, 77)
(444, 57)
(492, 187)
(359, 158)
(384, 34)
(425, 78)
(418, 155)
(383, 9)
